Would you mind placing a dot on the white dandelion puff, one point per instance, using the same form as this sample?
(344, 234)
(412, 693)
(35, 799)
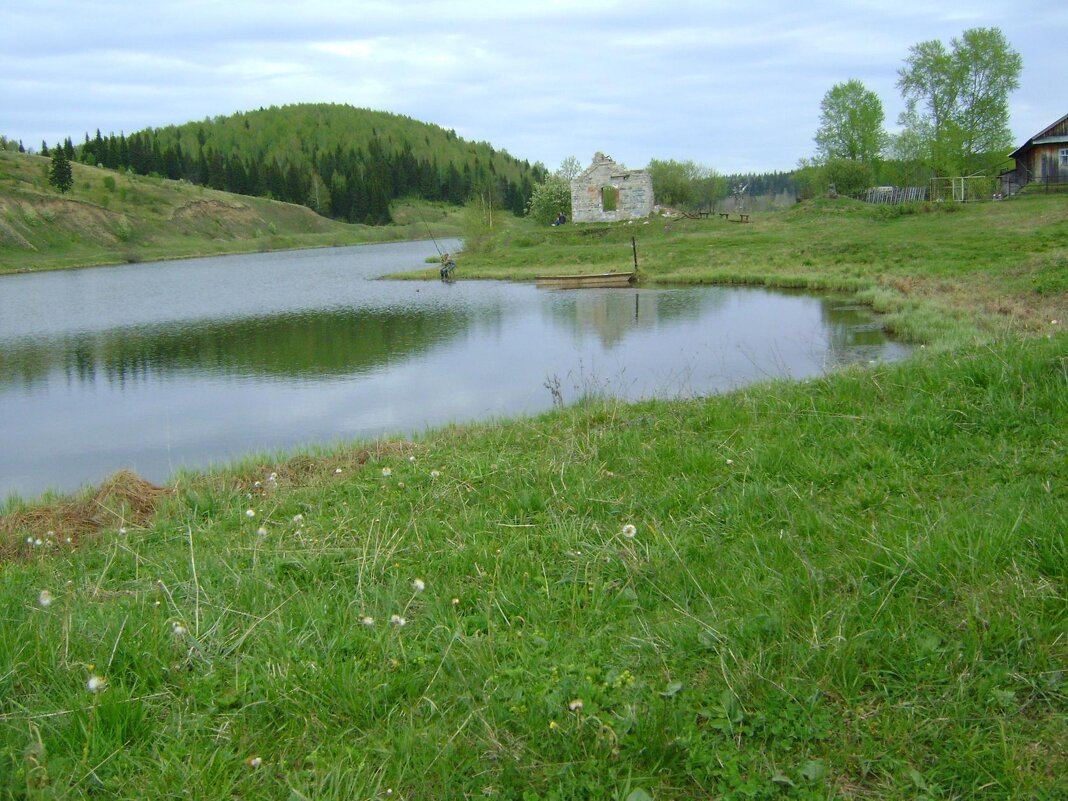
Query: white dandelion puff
(730, 461)
(337, 472)
(262, 531)
(630, 531)
(367, 620)
(418, 585)
(45, 598)
(411, 459)
(397, 620)
(250, 513)
(435, 474)
(254, 762)
(298, 519)
(96, 684)
(122, 529)
(387, 472)
(575, 705)
(179, 630)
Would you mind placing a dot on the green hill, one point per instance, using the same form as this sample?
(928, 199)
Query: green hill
(343, 162)
(112, 217)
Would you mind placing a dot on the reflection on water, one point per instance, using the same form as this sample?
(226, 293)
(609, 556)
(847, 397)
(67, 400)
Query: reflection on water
(154, 367)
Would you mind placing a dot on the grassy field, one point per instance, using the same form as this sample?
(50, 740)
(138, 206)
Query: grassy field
(851, 587)
(943, 271)
(113, 218)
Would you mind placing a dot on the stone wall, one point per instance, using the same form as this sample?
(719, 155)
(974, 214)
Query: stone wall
(634, 188)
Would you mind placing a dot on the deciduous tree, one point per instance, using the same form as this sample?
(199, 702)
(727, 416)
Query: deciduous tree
(851, 124)
(957, 99)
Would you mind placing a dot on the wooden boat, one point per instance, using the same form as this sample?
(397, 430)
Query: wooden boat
(586, 281)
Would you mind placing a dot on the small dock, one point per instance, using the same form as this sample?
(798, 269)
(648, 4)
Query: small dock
(586, 281)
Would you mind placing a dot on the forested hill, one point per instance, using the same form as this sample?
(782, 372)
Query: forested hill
(343, 162)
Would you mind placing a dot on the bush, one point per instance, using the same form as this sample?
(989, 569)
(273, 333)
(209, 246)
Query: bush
(549, 198)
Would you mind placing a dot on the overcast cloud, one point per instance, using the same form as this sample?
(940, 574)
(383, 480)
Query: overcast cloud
(733, 87)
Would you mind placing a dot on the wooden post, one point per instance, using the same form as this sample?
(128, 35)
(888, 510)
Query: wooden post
(634, 247)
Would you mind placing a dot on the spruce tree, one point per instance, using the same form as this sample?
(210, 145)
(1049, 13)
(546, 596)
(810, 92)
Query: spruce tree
(61, 176)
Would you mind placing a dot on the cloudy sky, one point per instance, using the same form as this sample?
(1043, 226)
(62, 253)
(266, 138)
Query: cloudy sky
(732, 85)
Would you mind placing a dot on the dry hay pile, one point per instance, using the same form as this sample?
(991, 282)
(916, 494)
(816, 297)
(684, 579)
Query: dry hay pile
(124, 499)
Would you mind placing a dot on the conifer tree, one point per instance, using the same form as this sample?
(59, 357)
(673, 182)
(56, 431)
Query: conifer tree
(61, 176)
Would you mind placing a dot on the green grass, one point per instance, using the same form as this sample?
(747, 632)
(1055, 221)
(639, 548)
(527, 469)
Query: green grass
(852, 587)
(112, 218)
(946, 274)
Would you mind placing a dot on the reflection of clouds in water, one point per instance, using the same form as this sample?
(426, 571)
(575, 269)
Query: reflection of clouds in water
(406, 356)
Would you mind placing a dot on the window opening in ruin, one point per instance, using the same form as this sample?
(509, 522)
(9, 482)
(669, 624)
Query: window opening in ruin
(609, 198)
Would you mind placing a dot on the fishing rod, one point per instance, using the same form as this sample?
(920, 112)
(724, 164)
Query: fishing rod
(432, 239)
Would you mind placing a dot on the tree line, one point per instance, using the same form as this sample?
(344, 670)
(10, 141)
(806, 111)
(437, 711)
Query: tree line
(348, 164)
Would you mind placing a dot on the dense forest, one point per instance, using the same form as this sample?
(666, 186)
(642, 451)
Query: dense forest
(343, 162)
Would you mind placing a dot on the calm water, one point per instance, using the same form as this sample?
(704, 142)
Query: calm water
(188, 363)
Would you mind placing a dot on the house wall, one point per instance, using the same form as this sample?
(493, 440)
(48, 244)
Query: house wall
(635, 189)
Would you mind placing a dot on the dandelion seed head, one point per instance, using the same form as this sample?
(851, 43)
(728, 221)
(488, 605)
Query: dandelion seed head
(38, 542)
(411, 459)
(435, 473)
(254, 762)
(397, 620)
(575, 705)
(367, 620)
(337, 472)
(418, 585)
(96, 684)
(630, 531)
(45, 598)
(298, 519)
(258, 484)
(250, 513)
(178, 629)
(730, 461)
(387, 472)
(122, 529)
(455, 601)
(262, 531)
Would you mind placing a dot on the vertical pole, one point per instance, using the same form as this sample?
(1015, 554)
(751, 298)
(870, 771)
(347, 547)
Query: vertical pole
(634, 247)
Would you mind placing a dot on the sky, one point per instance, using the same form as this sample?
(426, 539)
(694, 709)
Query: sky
(735, 86)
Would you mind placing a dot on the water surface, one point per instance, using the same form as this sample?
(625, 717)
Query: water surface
(152, 367)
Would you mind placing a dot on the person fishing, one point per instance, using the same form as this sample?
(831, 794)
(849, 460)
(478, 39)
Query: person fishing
(447, 266)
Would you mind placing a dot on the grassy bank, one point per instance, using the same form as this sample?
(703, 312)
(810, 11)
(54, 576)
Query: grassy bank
(852, 587)
(946, 273)
(113, 218)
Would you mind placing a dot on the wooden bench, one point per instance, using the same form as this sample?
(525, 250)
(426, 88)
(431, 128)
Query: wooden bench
(724, 215)
(742, 218)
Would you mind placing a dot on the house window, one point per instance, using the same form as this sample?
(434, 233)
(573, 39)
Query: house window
(1064, 156)
(609, 198)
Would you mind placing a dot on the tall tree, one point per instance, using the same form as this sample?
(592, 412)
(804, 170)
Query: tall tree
(957, 99)
(61, 174)
(851, 124)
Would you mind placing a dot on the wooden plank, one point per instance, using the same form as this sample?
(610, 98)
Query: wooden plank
(586, 281)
